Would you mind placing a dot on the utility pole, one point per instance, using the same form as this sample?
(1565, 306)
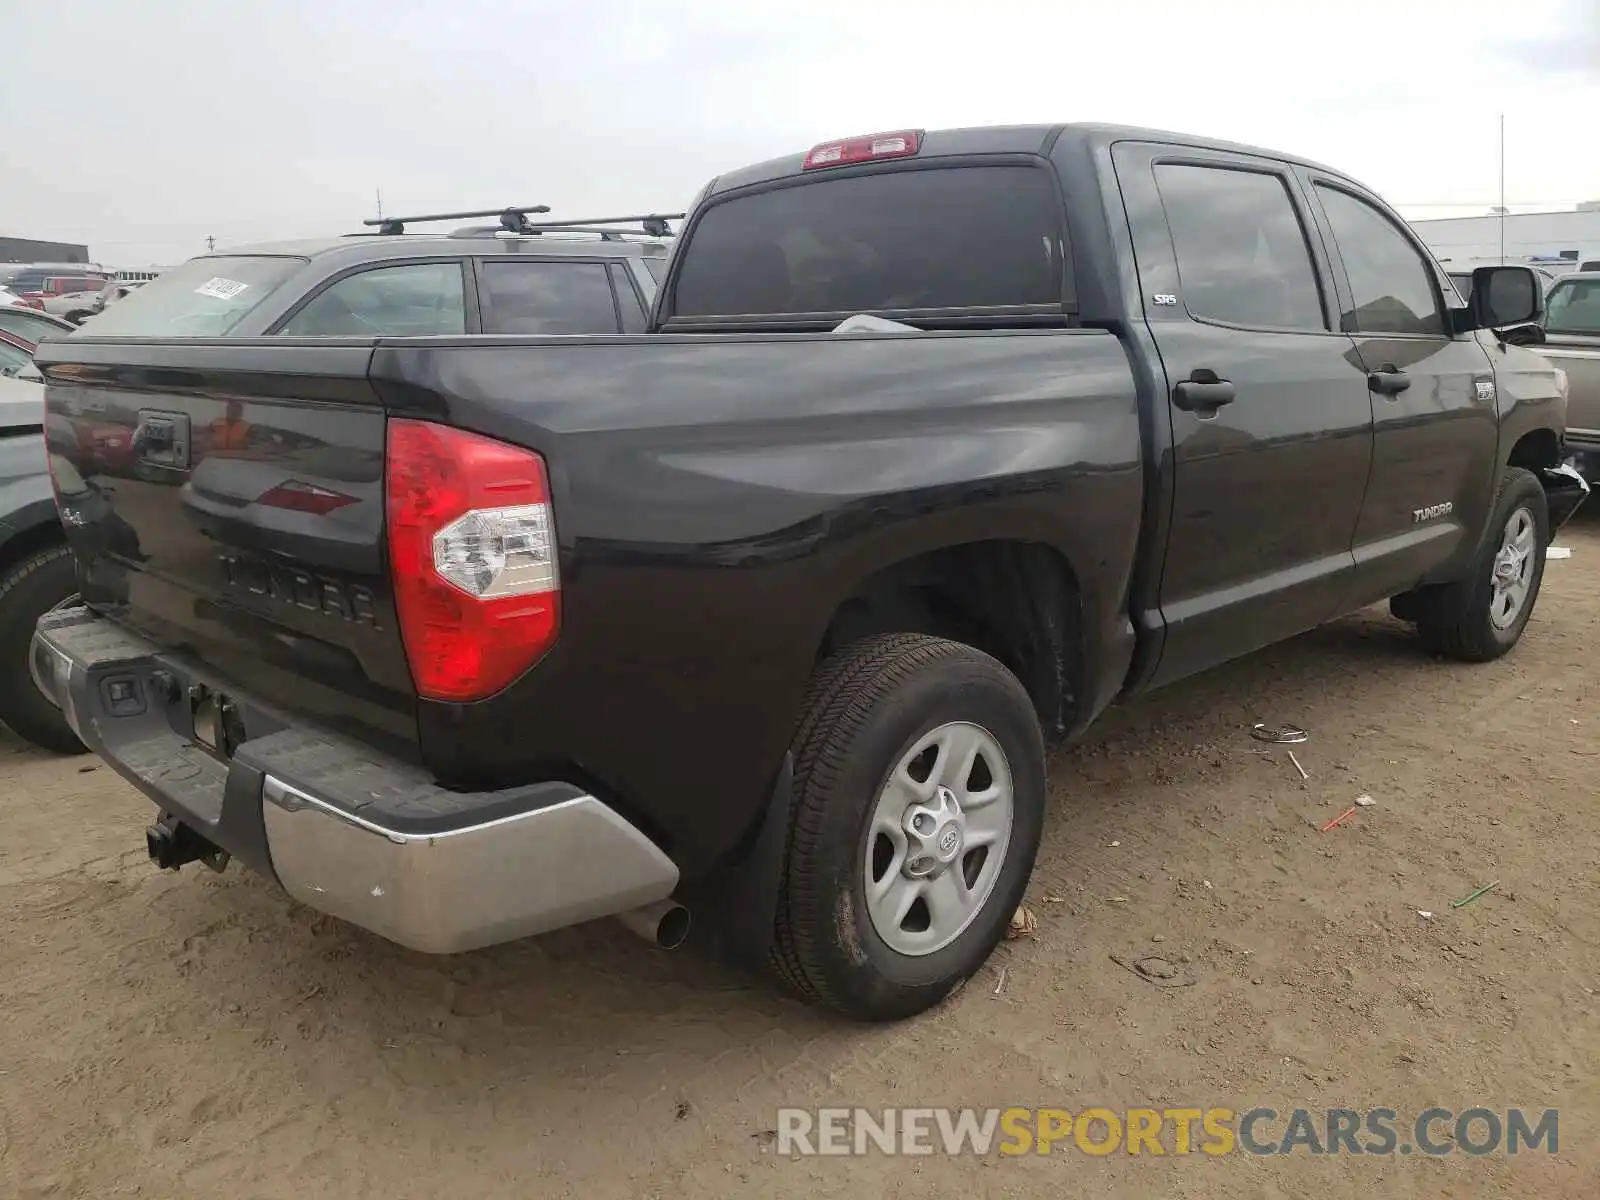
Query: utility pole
(380, 204)
(211, 242)
(1502, 187)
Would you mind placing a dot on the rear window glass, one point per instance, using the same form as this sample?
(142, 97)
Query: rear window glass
(942, 238)
(205, 297)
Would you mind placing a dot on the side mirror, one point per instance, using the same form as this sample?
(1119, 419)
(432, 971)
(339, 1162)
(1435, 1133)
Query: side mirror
(1503, 296)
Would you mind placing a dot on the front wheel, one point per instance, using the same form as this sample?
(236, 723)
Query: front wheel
(1483, 616)
(919, 798)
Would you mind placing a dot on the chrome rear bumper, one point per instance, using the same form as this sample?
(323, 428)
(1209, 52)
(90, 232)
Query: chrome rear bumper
(462, 888)
(342, 827)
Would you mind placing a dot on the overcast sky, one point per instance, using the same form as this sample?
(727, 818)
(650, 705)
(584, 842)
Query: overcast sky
(142, 126)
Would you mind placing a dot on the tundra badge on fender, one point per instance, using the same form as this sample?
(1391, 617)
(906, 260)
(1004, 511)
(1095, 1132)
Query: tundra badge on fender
(1420, 515)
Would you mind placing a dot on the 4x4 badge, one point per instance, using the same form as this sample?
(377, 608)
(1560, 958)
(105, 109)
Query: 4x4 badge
(1486, 392)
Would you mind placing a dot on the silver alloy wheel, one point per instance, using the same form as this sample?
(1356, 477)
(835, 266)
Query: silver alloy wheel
(1513, 568)
(937, 838)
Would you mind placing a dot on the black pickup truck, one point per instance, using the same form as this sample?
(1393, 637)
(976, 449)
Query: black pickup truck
(480, 635)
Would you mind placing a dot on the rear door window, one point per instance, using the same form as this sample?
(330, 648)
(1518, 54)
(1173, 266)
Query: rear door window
(410, 300)
(1241, 249)
(549, 297)
(205, 297)
(892, 243)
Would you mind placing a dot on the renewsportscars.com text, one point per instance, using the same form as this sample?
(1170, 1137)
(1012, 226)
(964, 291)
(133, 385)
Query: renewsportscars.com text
(1162, 1131)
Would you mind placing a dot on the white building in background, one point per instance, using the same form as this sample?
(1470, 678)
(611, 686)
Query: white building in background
(1574, 235)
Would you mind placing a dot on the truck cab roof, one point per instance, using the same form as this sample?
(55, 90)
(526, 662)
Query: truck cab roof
(1008, 139)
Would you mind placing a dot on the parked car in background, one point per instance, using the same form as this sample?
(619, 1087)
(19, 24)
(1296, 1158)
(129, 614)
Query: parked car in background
(36, 570)
(29, 276)
(553, 279)
(1572, 342)
(73, 293)
(31, 324)
(936, 443)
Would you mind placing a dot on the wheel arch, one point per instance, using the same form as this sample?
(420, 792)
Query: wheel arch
(1017, 599)
(1535, 450)
(32, 528)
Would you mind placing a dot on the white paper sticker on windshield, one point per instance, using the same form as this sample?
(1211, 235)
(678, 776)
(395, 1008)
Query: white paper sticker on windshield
(222, 289)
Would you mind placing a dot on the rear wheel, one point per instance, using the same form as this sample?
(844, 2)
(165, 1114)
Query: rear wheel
(28, 590)
(1483, 616)
(919, 798)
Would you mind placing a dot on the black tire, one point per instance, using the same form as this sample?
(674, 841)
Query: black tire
(1455, 619)
(28, 590)
(864, 711)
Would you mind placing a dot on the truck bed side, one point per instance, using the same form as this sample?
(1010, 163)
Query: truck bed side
(718, 499)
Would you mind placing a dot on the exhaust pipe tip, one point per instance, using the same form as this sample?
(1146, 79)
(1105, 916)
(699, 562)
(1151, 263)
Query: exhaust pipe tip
(664, 924)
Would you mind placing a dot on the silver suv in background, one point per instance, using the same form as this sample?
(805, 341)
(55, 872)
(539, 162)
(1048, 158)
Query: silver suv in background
(1572, 342)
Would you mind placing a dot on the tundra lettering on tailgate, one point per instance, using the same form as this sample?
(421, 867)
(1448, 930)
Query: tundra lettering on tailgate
(292, 585)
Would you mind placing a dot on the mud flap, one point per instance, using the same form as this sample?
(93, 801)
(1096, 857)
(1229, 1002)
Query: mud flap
(740, 903)
(1564, 489)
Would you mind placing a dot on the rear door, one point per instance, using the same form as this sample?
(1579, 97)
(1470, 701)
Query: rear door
(1432, 397)
(1271, 428)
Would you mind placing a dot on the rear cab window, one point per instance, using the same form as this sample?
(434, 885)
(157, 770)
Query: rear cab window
(968, 245)
(206, 297)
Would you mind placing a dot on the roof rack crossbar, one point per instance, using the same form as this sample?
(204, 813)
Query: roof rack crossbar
(654, 224)
(606, 233)
(513, 218)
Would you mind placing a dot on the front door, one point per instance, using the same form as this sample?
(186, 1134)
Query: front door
(1271, 427)
(1435, 422)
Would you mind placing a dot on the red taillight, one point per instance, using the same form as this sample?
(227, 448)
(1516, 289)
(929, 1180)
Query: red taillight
(472, 549)
(32, 300)
(902, 144)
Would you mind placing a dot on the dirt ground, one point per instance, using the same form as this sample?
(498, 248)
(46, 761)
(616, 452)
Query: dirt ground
(200, 1036)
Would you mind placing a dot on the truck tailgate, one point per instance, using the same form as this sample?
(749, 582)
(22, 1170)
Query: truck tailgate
(232, 512)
